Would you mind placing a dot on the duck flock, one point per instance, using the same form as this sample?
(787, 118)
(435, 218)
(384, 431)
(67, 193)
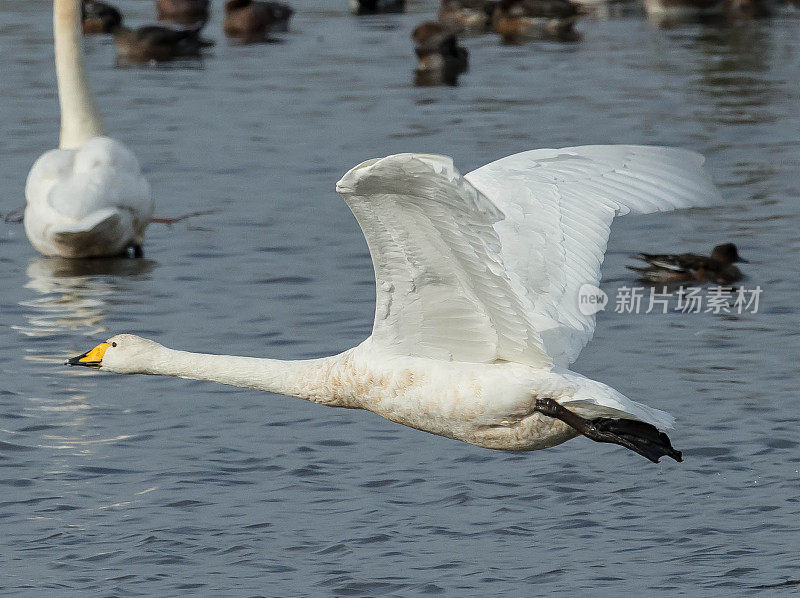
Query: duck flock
(477, 275)
(178, 34)
(440, 57)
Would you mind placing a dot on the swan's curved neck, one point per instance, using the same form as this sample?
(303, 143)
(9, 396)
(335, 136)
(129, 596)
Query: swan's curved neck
(316, 380)
(80, 118)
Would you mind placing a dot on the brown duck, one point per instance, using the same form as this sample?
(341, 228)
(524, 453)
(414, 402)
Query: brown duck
(474, 16)
(517, 21)
(372, 7)
(153, 43)
(252, 21)
(440, 60)
(684, 267)
(99, 17)
(184, 12)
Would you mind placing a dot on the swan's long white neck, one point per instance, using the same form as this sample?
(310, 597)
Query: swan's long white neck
(80, 118)
(317, 380)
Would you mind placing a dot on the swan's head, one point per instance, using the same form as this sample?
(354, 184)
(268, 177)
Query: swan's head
(121, 354)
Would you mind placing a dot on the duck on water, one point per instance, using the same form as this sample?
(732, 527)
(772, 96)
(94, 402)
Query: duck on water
(686, 267)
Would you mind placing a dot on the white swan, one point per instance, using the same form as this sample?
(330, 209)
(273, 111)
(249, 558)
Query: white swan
(88, 198)
(476, 316)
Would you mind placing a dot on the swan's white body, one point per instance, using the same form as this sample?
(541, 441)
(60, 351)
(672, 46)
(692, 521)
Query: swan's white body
(87, 198)
(477, 282)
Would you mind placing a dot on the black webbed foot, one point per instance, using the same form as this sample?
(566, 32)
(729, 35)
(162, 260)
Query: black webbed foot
(638, 436)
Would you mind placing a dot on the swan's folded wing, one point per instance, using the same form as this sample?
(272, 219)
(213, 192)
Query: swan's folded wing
(559, 205)
(75, 183)
(441, 286)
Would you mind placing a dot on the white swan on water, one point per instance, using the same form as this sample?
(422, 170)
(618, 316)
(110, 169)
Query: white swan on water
(476, 316)
(87, 198)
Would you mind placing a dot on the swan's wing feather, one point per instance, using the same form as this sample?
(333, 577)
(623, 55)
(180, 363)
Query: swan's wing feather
(108, 171)
(488, 266)
(101, 174)
(441, 286)
(559, 204)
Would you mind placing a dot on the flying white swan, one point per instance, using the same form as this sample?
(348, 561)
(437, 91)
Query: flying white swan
(87, 198)
(476, 316)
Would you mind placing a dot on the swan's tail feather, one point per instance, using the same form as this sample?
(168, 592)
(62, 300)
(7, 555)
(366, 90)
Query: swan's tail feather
(627, 410)
(595, 399)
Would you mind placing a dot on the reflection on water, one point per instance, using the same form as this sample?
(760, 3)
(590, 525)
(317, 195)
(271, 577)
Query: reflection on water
(73, 293)
(72, 298)
(733, 65)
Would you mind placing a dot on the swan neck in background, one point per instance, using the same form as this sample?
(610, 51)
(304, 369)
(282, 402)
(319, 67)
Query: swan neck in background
(310, 379)
(80, 118)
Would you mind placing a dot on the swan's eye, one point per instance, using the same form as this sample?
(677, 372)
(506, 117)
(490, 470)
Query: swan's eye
(113, 344)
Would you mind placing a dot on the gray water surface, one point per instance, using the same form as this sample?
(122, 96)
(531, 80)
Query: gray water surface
(137, 486)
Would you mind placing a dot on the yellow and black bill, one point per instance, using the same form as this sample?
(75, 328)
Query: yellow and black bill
(90, 359)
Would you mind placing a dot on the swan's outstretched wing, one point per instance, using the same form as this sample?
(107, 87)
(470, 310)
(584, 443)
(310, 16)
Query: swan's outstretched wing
(559, 204)
(488, 266)
(442, 291)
